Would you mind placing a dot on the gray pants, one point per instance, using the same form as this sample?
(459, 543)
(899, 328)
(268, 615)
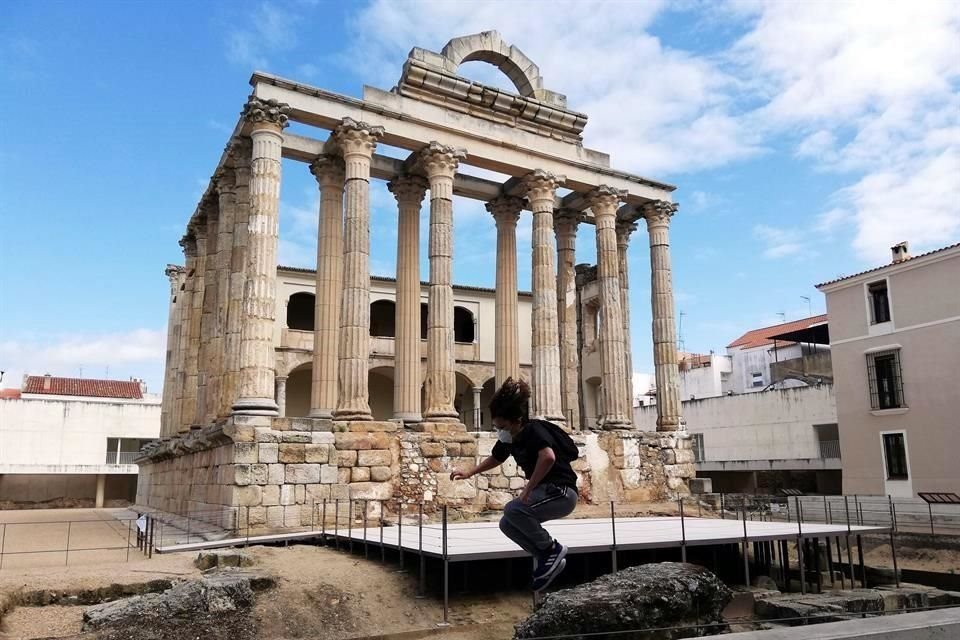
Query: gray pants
(521, 522)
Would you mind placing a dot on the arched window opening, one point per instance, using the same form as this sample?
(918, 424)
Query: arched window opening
(383, 318)
(300, 311)
(424, 310)
(463, 328)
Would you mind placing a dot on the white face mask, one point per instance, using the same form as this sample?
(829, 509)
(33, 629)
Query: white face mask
(504, 436)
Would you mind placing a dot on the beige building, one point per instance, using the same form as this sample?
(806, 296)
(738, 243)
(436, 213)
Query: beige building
(895, 340)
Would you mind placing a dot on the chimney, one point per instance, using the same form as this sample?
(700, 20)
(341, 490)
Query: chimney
(900, 252)
(143, 386)
(46, 382)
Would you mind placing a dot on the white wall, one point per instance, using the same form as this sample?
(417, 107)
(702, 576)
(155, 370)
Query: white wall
(746, 362)
(65, 431)
(706, 382)
(772, 425)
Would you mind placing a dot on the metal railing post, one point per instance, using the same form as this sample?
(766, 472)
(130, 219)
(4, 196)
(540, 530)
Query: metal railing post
(383, 548)
(423, 568)
(803, 573)
(400, 532)
(723, 516)
(746, 548)
(613, 530)
(446, 572)
(151, 525)
(366, 546)
(893, 544)
(930, 511)
(336, 525)
(323, 523)
(66, 559)
(683, 534)
(350, 523)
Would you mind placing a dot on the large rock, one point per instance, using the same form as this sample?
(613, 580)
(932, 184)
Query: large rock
(652, 596)
(214, 594)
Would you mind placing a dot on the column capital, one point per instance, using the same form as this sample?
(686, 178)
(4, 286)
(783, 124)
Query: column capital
(189, 245)
(357, 138)
(541, 185)
(225, 180)
(565, 221)
(604, 199)
(266, 113)
(408, 189)
(440, 160)
(625, 227)
(328, 170)
(505, 209)
(657, 213)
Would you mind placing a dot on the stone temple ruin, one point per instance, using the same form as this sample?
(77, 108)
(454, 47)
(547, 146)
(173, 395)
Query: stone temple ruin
(225, 440)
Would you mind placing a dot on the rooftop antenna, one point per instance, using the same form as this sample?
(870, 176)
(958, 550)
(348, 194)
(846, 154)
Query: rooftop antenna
(783, 317)
(809, 306)
(680, 345)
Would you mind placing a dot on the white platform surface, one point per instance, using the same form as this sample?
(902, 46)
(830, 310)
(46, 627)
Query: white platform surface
(483, 540)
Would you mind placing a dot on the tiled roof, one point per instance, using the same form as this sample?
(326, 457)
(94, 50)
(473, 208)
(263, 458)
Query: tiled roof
(461, 287)
(86, 387)
(761, 337)
(9, 394)
(890, 264)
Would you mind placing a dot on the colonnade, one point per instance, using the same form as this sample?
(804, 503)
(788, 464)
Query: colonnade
(221, 351)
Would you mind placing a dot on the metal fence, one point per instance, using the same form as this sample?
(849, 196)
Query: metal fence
(830, 449)
(64, 542)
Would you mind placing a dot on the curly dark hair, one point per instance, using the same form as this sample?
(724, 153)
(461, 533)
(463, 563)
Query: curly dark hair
(511, 401)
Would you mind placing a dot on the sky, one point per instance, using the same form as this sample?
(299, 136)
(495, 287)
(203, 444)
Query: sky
(805, 138)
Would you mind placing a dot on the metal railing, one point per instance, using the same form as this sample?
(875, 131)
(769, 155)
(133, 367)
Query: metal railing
(830, 449)
(62, 542)
(122, 457)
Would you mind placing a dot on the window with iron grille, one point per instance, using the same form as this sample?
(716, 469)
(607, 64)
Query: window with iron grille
(879, 302)
(697, 447)
(886, 381)
(895, 455)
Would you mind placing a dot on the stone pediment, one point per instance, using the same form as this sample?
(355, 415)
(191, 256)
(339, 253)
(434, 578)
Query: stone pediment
(433, 77)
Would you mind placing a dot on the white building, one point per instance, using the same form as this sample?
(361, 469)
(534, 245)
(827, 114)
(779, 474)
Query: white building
(704, 375)
(757, 353)
(73, 440)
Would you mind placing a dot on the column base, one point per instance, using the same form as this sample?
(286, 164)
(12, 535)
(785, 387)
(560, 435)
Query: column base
(351, 416)
(408, 417)
(321, 413)
(256, 407)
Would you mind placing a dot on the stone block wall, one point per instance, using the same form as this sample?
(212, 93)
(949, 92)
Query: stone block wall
(273, 473)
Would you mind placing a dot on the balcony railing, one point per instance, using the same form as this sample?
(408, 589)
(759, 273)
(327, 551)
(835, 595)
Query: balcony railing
(830, 449)
(121, 457)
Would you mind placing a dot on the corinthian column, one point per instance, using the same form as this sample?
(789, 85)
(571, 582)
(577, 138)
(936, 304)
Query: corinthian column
(328, 170)
(440, 164)
(357, 141)
(616, 403)
(409, 191)
(181, 418)
(240, 156)
(257, 359)
(225, 181)
(658, 214)
(167, 417)
(540, 188)
(625, 226)
(565, 223)
(506, 213)
(192, 380)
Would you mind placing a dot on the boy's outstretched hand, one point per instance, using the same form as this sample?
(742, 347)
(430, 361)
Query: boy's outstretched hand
(459, 475)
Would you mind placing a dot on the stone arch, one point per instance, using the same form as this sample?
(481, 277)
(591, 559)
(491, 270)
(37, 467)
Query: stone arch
(299, 382)
(380, 385)
(489, 47)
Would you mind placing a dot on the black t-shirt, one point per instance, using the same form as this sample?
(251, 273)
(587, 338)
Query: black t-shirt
(525, 449)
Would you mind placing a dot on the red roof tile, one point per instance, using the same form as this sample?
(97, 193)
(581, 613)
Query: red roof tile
(761, 337)
(87, 387)
(9, 394)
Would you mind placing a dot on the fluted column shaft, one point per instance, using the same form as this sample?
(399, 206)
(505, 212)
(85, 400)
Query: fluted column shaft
(257, 357)
(665, 361)
(506, 213)
(357, 141)
(409, 191)
(180, 420)
(545, 388)
(168, 402)
(206, 363)
(281, 385)
(565, 226)
(192, 380)
(329, 173)
(226, 188)
(616, 405)
(624, 229)
(440, 164)
(237, 277)
(477, 409)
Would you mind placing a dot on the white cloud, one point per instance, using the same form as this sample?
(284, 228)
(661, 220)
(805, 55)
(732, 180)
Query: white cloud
(780, 243)
(831, 220)
(269, 29)
(138, 353)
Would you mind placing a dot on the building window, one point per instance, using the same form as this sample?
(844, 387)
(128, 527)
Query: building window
(879, 302)
(300, 311)
(757, 380)
(463, 327)
(895, 454)
(698, 455)
(383, 314)
(886, 382)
